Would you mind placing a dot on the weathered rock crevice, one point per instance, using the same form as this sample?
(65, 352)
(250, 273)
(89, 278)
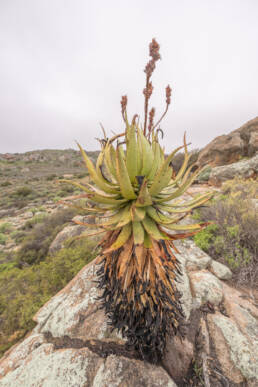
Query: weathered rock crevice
(102, 348)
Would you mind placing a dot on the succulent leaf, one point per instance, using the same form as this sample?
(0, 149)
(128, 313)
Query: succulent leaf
(131, 154)
(138, 233)
(126, 187)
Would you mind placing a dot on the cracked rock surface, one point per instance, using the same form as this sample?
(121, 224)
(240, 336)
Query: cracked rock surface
(72, 344)
(244, 169)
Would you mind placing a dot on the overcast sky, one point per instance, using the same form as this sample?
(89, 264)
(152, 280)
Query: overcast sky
(64, 65)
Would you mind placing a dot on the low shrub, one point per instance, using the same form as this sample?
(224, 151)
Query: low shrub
(19, 203)
(34, 210)
(204, 175)
(3, 239)
(33, 221)
(232, 238)
(35, 245)
(18, 236)
(56, 199)
(42, 209)
(205, 238)
(53, 176)
(6, 184)
(7, 266)
(5, 227)
(65, 191)
(22, 192)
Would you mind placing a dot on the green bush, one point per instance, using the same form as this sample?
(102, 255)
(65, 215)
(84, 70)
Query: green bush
(205, 238)
(3, 239)
(20, 203)
(35, 245)
(18, 235)
(6, 183)
(204, 175)
(56, 199)
(33, 221)
(22, 192)
(7, 266)
(5, 227)
(65, 191)
(42, 209)
(34, 210)
(51, 177)
(233, 237)
(24, 291)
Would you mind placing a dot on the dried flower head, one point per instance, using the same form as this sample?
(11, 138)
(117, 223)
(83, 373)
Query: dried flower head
(147, 91)
(151, 118)
(154, 50)
(149, 68)
(123, 105)
(168, 94)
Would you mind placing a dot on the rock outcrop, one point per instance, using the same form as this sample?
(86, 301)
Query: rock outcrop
(73, 345)
(71, 231)
(68, 232)
(229, 148)
(243, 169)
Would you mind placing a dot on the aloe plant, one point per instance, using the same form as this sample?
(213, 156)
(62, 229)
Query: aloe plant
(137, 199)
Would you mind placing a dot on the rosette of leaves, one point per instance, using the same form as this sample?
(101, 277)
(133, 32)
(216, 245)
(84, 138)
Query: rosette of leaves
(137, 199)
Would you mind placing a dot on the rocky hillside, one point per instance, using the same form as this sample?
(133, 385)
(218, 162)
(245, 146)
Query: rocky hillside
(232, 147)
(51, 156)
(28, 180)
(72, 344)
(29, 190)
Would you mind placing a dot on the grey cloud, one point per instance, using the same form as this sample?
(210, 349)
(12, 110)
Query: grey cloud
(65, 64)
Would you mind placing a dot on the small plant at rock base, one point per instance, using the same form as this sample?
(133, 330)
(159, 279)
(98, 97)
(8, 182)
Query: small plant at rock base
(205, 238)
(204, 176)
(133, 198)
